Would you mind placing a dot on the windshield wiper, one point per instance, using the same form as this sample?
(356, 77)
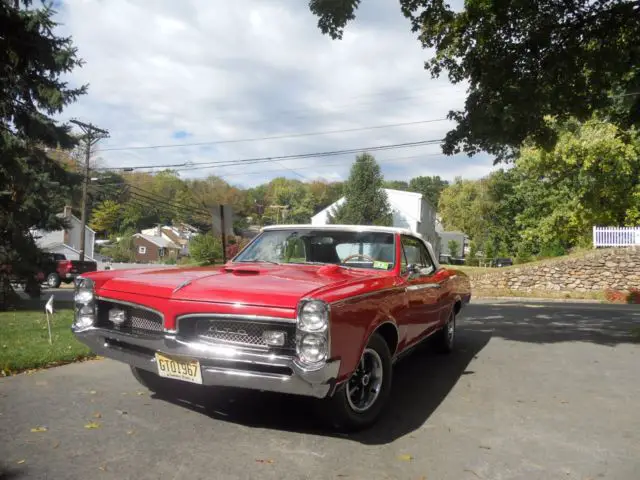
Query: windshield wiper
(258, 261)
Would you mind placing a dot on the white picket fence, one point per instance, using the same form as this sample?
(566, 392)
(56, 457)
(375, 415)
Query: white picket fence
(616, 236)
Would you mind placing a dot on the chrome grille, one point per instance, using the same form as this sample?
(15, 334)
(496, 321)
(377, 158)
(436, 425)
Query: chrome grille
(141, 319)
(240, 331)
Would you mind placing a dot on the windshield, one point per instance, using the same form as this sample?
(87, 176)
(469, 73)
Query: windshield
(352, 249)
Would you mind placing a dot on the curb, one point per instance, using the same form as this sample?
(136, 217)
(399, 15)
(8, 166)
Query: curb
(539, 300)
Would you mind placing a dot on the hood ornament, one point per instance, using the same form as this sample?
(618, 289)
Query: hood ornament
(182, 285)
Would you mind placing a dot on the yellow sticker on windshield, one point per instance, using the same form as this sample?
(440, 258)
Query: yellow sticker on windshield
(381, 265)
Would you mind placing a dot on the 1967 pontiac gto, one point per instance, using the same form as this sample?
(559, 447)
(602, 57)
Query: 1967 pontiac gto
(316, 311)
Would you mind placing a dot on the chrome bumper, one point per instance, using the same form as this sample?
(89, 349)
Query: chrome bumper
(220, 365)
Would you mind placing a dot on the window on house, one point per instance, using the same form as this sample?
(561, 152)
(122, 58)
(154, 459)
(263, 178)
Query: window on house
(161, 252)
(142, 250)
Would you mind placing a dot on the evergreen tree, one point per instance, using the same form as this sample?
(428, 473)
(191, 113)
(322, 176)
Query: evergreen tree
(365, 200)
(33, 186)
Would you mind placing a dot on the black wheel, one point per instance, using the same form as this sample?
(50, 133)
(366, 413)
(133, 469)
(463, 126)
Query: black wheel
(53, 280)
(361, 399)
(152, 381)
(446, 337)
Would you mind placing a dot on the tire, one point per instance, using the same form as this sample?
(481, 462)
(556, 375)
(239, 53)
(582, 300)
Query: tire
(152, 381)
(347, 411)
(53, 280)
(445, 338)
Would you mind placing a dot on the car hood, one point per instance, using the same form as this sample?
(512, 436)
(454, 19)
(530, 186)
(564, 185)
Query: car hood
(263, 284)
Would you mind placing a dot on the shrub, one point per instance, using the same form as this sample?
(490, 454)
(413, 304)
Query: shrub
(616, 296)
(472, 258)
(206, 249)
(523, 254)
(634, 296)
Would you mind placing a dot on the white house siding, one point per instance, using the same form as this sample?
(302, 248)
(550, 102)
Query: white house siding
(49, 238)
(410, 211)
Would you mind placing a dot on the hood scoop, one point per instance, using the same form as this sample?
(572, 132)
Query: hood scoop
(243, 270)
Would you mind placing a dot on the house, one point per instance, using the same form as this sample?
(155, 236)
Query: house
(152, 248)
(180, 234)
(446, 236)
(67, 241)
(410, 210)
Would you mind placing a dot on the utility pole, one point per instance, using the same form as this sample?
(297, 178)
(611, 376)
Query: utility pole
(92, 135)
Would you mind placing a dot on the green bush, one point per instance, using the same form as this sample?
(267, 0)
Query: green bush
(553, 249)
(206, 249)
(523, 253)
(472, 258)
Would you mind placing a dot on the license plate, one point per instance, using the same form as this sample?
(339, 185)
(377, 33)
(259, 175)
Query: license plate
(179, 368)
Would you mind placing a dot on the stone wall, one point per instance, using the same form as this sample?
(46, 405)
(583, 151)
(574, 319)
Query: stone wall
(603, 269)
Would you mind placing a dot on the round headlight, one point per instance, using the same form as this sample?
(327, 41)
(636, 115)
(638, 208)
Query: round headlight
(84, 296)
(312, 348)
(84, 321)
(313, 316)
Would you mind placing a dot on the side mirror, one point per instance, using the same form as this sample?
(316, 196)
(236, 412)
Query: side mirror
(412, 269)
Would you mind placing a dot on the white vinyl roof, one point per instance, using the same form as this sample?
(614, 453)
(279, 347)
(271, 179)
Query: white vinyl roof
(344, 228)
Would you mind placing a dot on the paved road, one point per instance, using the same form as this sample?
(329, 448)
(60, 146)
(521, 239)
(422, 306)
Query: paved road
(534, 392)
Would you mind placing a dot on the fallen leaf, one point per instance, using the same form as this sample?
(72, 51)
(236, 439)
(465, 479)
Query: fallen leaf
(485, 447)
(92, 425)
(405, 457)
(93, 392)
(103, 468)
(56, 444)
(140, 393)
(261, 460)
(471, 471)
(130, 432)
(20, 462)
(97, 415)
(39, 429)
(121, 412)
(123, 393)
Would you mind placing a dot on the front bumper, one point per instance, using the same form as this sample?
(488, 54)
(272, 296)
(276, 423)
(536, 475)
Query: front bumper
(221, 365)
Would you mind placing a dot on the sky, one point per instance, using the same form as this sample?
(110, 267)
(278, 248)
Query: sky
(166, 72)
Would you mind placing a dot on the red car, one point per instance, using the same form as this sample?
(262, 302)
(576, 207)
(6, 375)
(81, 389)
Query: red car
(321, 311)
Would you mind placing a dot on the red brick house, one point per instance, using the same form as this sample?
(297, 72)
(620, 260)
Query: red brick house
(151, 249)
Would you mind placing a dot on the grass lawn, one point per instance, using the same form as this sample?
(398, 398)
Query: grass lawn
(24, 341)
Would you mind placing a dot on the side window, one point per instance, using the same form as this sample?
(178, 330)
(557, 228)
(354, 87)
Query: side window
(415, 252)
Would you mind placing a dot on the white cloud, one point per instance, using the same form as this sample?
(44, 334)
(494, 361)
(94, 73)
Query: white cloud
(164, 72)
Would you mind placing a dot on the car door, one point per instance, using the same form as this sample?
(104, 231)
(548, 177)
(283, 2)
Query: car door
(421, 290)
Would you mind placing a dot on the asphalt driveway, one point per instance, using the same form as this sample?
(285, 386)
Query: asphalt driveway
(534, 391)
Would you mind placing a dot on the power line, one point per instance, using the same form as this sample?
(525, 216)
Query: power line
(247, 161)
(380, 162)
(276, 137)
(158, 199)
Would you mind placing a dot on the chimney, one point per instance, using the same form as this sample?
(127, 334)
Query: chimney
(67, 212)
(158, 231)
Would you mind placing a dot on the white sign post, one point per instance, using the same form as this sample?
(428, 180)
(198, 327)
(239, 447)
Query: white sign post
(48, 310)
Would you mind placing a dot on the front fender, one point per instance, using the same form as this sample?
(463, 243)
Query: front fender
(354, 321)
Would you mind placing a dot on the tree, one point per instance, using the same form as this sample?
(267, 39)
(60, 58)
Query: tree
(429, 187)
(522, 61)
(365, 202)
(472, 258)
(454, 248)
(105, 218)
(466, 206)
(396, 185)
(588, 178)
(33, 186)
(206, 249)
